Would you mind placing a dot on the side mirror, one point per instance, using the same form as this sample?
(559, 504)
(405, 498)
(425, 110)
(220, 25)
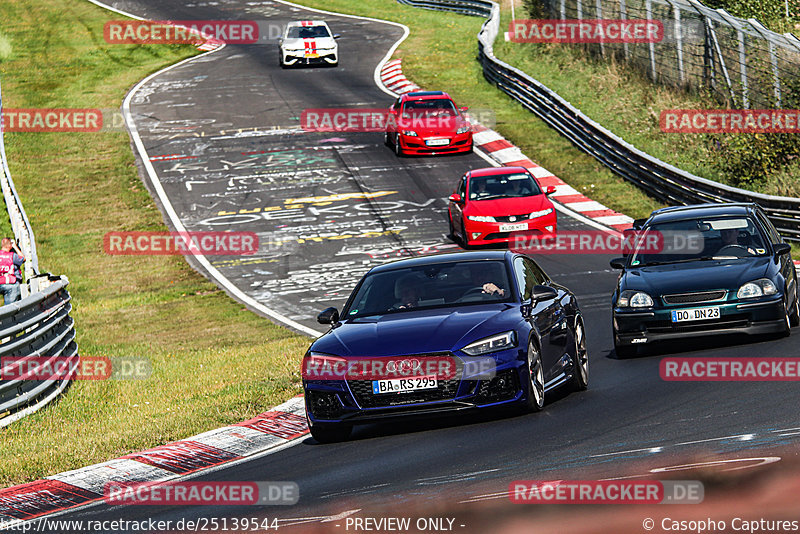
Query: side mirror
(464, 109)
(328, 316)
(639, 223)
(617, 263)
(782, 248)
(455, 197)
(549, 189)
(543, 293)
(629, 236)
(336, 35)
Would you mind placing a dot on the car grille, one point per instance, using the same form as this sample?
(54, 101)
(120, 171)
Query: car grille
(692, 298)
(445, 390)
(507, 218)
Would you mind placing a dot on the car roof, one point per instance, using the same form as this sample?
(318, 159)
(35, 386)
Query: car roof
(307, 23)
(678, 213)
(491, 171)
(482, 255)
(425, 95)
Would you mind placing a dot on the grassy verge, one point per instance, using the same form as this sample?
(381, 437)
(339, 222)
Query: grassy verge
(630, 105)
(214, 362)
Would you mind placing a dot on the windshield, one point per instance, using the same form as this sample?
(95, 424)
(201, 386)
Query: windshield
(430, 286)
(704, 239)
(307, 32)
(431, 107)
(502, 186)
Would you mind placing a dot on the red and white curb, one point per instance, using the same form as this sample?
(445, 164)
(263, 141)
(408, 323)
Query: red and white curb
(269, 430)
(503, 152)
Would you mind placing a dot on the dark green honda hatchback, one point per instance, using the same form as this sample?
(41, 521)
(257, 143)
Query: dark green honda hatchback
(721, 269)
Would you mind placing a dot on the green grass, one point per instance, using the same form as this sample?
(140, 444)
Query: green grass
(629, 105)
(214, 362)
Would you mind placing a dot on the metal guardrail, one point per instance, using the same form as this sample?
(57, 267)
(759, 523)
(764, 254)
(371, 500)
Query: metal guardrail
(39, 325)
(657, 178)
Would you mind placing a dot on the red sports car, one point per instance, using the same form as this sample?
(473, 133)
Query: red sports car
(427, 122)
(492, 205)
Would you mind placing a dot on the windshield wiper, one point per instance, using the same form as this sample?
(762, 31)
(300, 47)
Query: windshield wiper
(704, 258)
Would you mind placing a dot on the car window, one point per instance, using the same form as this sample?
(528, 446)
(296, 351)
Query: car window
(436, 106)
(308, 32)
(526, 278)
(462, 187)
(538, 274)
(447, 284)
(768, 226)
(503, 186)
(731, 237)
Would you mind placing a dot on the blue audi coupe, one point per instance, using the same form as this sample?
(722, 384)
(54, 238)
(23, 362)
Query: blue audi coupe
(441, 334)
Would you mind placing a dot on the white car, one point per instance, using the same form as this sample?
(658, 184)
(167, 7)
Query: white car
(308, 41)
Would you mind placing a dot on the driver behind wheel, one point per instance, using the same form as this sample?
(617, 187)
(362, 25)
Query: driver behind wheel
(484, 277)
(730, 240)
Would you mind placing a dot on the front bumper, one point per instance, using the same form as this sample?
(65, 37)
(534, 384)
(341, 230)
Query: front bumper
(341, 401)
(321, 57)
(649, 325)
(456, 143)
(490, 233)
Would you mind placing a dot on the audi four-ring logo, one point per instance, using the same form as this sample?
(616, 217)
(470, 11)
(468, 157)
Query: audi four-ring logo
(403, 366)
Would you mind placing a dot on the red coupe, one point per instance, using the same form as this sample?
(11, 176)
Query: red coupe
(492, 205)
(427, 122)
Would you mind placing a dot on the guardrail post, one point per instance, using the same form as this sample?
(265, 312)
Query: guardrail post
(679, 44)
(649, 10)
(599, 7)
(776, 77)
(743, 68)
(623, 15)
(563, 9)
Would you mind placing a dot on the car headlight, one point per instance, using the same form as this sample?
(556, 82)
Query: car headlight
(541, 213)
(481, 218)
(756, 288)
(462, 130)
(634, 299)
(410, 133)
(320, 366)
(491, 344)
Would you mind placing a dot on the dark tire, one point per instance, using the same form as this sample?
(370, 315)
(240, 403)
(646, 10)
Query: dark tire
(398, 150)
(450, 225)
(464, 238)
(787, 319)
(386, 139)
(535, 382)
(794, 316)
(580, 372)
(330, 434)
(624, 351)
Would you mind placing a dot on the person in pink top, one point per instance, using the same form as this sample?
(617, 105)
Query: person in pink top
(11, 258)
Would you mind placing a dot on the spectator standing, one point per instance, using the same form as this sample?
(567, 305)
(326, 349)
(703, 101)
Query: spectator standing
(11, 258)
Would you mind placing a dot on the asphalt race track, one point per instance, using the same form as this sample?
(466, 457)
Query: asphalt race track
(222, 133)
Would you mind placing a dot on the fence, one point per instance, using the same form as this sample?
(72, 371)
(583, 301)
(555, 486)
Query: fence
(658, 178)
(39, 325)
(740, 61)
